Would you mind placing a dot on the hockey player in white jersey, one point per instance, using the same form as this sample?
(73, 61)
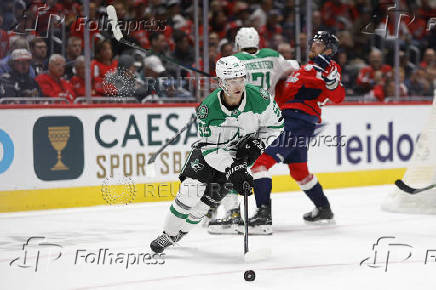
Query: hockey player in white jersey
(265, 67)
(235, 122)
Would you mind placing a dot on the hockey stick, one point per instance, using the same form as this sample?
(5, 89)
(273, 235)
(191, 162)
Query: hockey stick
(169, 141)
(410, 190)
(258, 254)
(149, 167)
(113, 20)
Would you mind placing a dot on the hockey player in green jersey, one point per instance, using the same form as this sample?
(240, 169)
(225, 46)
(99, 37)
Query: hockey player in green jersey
(265, 67)
(235, 123)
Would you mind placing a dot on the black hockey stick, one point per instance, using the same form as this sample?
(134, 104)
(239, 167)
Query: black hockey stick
(410, 190)
(170, 141)
(113, 20)
(246, 191)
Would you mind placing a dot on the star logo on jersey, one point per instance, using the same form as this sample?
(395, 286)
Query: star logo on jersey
(196, 165)
(202, 112)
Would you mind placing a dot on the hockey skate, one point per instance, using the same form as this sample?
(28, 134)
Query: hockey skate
(228, 224)
(164, 241)
(261, 222)
(320, 215)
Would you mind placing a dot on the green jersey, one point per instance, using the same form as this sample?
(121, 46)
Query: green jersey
(266, 67)
(219, 129)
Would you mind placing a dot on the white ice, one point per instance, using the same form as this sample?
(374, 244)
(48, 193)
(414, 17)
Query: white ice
(303, 256)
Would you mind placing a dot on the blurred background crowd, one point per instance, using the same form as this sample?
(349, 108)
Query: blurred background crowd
(42, 45)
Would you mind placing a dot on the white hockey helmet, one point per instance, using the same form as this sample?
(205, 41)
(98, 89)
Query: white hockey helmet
(229, 67)
(247, 37)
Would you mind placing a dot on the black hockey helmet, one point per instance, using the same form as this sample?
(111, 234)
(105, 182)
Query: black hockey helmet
(329, 40)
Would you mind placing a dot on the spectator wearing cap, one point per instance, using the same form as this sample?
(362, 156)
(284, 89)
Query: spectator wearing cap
(38, 47)
(17, 82)
(153, 68)
(16, 43)
(52, 83)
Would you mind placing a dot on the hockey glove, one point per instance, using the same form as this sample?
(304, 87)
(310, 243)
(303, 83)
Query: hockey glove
(322, 62)
(333, 79)
(239, 177)
(249, 148)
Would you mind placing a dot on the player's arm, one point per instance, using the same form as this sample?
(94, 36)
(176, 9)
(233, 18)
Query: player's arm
(286, 66)
(334, 90)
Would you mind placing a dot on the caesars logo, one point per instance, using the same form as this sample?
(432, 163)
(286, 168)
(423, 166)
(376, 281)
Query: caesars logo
(58, 148)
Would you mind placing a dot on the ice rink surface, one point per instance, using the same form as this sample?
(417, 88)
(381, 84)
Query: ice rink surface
(303, 256)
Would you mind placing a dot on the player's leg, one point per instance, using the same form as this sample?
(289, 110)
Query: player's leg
(297, 162)
(312, 188)
(202, 187)
(261, 222)
(187, 198)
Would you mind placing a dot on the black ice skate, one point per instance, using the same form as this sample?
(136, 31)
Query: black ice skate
(261, 222)
(228, 224)
(319, 215)
(164, 241)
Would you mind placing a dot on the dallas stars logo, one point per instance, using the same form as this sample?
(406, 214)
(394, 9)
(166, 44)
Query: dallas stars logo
(202, 112)
(196, 165)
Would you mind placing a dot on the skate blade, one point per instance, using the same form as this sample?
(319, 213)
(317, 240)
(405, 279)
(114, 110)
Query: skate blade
(220, 230)
(264, 230)
(321, 222)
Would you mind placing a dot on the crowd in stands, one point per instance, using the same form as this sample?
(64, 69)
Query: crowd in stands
(32, 62)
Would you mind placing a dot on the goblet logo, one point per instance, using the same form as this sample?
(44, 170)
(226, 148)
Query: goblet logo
(58, 137)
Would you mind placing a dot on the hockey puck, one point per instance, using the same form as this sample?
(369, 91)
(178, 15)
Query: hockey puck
(249, 275)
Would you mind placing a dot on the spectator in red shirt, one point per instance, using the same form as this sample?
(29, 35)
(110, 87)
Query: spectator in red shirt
(375, 74)
(78, 80)
(103, 64)
(52, 83)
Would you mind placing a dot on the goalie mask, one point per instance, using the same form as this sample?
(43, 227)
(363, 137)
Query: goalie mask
(247, 37)
(231, 74)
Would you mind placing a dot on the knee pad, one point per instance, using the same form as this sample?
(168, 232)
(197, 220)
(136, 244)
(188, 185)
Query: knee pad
(298, 171)
(262, 165)
(190, 192)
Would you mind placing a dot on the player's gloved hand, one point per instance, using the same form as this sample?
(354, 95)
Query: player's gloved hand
(333, 79)
(249, 148)
(239, 177)
(322, 62)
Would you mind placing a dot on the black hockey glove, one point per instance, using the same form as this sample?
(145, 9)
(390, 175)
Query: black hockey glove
(249, 148)
(322, 62)
(239, 177)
